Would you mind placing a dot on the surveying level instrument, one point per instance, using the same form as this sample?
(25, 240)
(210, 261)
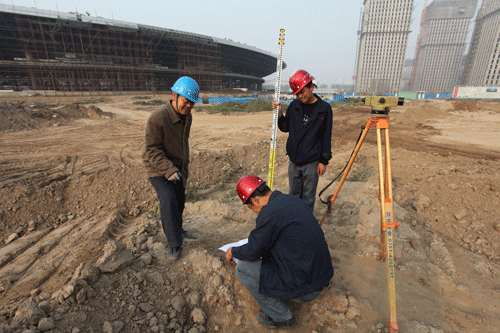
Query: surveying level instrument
(277, 89)
(380, 107)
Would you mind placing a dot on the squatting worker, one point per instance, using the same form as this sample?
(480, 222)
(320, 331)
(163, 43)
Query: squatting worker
(166, 159)
(308, 120)
(286, 256)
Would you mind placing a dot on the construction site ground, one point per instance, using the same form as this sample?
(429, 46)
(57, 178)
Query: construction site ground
(83, 251)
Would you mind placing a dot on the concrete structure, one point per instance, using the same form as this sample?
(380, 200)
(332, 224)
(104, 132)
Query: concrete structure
(383, 39)
(72, 52)
(443, 41)
(483, 61)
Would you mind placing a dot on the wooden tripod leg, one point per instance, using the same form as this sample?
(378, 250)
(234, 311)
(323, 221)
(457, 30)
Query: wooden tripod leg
(348, 168)
(386, 207)
(381, 185)
(388, 225)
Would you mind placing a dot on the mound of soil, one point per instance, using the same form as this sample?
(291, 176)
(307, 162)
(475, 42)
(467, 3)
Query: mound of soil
(19, 116)
(83, 249)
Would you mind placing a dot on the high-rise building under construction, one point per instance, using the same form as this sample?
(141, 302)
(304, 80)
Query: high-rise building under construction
(383, 39)
(483, 61)
(442, 44)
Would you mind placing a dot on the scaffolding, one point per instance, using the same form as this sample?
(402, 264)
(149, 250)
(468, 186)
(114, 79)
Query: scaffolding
(74, 53)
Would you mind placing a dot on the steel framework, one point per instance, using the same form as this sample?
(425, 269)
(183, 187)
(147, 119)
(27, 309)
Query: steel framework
(73, 53)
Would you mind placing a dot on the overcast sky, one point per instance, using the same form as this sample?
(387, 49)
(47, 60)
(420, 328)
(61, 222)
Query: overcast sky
(320, 35)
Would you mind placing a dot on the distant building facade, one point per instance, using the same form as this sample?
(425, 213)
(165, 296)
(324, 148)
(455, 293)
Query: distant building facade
(483, 61)
(406, 75)
(383, 40)
(443, 44)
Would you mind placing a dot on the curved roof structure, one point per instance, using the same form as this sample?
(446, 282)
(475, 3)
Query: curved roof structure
(47, 50)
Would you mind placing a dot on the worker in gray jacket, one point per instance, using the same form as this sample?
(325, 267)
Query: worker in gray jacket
(166, 159)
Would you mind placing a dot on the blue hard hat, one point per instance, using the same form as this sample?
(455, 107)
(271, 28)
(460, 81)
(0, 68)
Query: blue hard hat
(187, 87)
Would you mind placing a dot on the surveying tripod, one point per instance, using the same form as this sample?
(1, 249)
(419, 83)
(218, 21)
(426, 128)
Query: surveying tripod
(380, 117)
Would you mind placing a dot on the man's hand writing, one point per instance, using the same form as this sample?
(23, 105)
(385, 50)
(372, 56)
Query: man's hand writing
(229, 256)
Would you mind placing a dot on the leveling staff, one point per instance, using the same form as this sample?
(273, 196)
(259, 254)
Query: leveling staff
(308, 120)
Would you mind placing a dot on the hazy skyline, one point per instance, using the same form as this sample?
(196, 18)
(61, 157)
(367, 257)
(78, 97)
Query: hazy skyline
(320, 36)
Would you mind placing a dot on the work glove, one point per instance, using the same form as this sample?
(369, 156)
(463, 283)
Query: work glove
(175, 177)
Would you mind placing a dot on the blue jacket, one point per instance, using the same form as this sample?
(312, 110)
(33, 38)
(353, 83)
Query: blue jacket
(314, 141)
(295, 256)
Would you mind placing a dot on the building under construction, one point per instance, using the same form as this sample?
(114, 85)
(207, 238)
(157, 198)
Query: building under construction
(73, 52)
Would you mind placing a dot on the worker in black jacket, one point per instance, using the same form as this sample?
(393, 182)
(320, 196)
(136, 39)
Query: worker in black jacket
(308, 120)
(286, 256)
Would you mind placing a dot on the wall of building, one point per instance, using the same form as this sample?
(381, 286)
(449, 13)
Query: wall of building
(442, 46)
(483, 61)
(383, 41)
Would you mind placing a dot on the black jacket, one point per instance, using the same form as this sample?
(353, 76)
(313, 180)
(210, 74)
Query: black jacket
(313, 142)
(295, 256)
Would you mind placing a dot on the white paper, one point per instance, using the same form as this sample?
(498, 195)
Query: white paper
(238, 243)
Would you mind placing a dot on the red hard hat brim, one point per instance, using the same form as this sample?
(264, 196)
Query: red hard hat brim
(300, 88)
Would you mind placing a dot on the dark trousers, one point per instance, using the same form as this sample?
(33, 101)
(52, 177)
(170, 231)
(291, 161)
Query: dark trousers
(172, 200)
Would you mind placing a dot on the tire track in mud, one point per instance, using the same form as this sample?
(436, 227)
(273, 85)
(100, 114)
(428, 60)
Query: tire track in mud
(40, 173)
(129, 157)
(39, 260)
(49, 257)
(119, 226)
(43, 172)
(36, 173)
(92, 163)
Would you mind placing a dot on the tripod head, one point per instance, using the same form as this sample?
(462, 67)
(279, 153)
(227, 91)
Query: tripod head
(382, 104)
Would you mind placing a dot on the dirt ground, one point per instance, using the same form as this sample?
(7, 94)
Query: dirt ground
(83, 250)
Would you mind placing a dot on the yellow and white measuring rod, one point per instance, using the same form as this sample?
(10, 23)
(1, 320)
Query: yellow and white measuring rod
(279, 69)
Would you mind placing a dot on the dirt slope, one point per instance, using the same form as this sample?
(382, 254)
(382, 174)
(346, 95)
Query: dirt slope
(83, 250)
